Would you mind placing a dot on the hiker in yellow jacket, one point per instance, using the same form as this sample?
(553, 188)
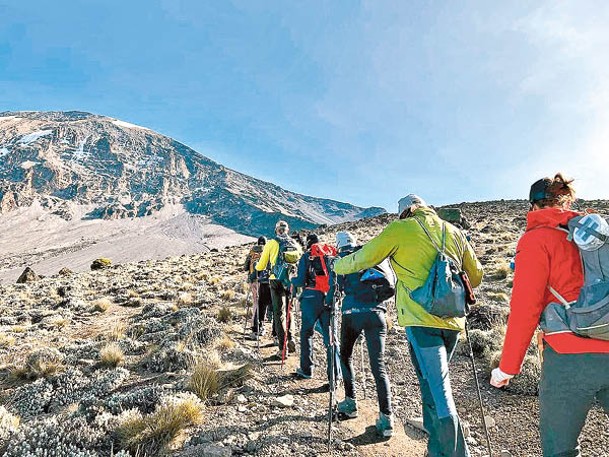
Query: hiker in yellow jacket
(280, 288)
(432, 340)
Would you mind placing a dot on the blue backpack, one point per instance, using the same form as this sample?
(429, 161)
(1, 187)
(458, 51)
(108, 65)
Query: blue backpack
(443, 293)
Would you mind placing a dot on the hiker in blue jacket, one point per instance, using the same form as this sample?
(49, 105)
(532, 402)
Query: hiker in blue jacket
(357, 317)
(313, 309)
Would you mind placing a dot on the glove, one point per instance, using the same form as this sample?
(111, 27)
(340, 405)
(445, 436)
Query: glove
(499, 378)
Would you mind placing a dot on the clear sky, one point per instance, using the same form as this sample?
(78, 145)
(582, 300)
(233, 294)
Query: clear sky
(360, 101)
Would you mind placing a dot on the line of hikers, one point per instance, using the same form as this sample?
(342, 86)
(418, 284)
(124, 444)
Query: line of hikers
(561, 283)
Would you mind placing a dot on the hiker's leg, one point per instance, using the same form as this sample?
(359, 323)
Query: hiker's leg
(307, 330)
(255, 317)
(277, 295)
(451, 339)
(430, 357)
(348, 336)
(376, 332)
(264, 300)
(323, 316)
(567, 390)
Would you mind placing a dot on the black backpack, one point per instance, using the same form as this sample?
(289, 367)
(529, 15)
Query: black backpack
(373, 285)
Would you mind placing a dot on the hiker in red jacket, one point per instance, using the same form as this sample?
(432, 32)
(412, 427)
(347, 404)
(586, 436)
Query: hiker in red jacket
(575, 370)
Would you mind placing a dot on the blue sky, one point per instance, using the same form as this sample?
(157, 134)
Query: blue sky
(356, 101)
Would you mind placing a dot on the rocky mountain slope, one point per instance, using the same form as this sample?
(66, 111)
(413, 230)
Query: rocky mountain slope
(149, 358)
(119, 170)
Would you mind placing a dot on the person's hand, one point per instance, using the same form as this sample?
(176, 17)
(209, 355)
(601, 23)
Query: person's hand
(499, 378)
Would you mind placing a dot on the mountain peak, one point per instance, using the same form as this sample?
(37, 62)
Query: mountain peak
(123, 170)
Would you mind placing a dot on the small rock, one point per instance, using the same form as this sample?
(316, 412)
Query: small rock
(241, 398)
(242, 409)
(489, 421)
(505, 453)
(286, 401)
(28, 275)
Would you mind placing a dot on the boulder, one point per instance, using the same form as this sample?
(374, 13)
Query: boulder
(27, 276)
(101, 263)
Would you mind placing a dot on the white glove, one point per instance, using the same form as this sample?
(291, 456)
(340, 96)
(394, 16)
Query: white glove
(499, 378)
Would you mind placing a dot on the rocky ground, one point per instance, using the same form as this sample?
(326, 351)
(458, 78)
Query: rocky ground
(149, 358)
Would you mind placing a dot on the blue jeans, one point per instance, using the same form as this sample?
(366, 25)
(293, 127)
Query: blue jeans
(313, 309)
(374, 326)
(431, 350)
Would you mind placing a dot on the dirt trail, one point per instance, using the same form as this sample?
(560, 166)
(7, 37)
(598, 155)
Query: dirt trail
(359, 434)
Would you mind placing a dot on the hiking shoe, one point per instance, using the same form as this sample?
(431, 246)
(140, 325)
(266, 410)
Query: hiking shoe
(301, 374)
(347, 408)
(291, 346)
(384, 425)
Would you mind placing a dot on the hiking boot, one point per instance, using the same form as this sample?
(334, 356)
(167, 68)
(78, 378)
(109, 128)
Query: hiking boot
(384, 425)
(301, 374)
(347, 408)
(291, 346)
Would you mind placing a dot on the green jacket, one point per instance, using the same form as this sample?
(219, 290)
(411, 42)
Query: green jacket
(412, 254)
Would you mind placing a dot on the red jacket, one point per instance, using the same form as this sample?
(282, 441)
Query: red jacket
(544, 257)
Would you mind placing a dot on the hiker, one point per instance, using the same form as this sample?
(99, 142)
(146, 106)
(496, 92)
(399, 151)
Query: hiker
(313, 277)
(259, 288)
(412, 244)
(363, 310)
(281, 253)
(548, 278)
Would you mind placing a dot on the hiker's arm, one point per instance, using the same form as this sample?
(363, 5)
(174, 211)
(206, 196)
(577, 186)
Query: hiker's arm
(529, 291)
(265, 257)
(301, 276)
(371, 254)
(471, 265)
(246, 265)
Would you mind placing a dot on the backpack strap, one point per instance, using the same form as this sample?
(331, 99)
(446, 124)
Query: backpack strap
(439, 249)
(560, 298)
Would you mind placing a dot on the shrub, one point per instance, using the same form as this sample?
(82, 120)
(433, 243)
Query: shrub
(6, 340)
(40, 363)
(101, 305)
(225, 314)
(111, 355)
(151, 434)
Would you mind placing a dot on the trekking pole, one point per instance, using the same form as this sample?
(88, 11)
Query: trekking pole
(247, 311)
(361, 351)
(332, 377)
(471, 356)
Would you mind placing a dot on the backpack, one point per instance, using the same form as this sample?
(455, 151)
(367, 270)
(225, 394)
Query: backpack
(588, 316)
(288, 256)
(252, 259)
(318, 275)
(443, 293)
(371, 286)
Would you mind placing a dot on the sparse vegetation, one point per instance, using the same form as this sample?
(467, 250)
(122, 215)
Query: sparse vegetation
(111, 355)
(40, 363)
(151, 434)
(225, 315)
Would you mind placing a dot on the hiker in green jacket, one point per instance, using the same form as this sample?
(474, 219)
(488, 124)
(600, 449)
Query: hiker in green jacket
(280, 286)
(432, 340)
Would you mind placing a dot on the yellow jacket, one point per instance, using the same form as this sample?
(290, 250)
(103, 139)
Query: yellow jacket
(412, 254)
(269, 255)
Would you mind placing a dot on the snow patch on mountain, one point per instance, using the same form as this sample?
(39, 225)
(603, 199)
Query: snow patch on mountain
(128, 125)
(31, 137)
(28, 164)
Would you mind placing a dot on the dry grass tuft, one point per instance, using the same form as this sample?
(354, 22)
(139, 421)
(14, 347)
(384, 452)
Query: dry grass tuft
(38, 364)
(225, 315)
(152, 434)
(117, 332)
(111, 355)
(228, 294)
(6, 341)
(502, 271)
(225, 343)
(185, 299)
(101, 305)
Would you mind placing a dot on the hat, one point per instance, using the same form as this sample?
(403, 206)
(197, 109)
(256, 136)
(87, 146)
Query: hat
(262, 241)
(312, 238)
(281, 226)
(408, 201)
(344, 239)
(539, 190)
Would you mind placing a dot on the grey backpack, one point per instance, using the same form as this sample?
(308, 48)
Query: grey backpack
(587, 316)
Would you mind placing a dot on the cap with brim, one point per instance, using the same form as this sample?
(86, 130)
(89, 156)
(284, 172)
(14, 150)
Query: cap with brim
(344, 239)
(539, 190)
(408, 201)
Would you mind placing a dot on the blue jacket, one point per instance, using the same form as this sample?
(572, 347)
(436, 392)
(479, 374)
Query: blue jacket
(302, 279)
(347, 285)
